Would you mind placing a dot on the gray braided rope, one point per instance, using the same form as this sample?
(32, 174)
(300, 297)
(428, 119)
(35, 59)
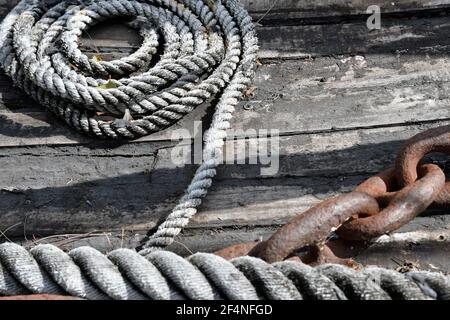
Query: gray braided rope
(209, 47)
(126, 275)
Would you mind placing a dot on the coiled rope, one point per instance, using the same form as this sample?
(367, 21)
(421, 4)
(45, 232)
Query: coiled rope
(209, 48)
(125, 274)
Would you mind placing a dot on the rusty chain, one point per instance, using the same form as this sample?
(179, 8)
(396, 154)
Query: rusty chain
(433, 140)
(378, 206)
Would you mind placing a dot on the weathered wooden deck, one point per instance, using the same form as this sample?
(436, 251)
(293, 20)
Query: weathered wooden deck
(344, 99)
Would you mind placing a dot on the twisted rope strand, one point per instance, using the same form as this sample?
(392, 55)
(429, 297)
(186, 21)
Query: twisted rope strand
(124, 274)
(209, 47)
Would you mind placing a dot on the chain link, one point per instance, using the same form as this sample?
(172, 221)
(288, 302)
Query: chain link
(430, 141)
(378, 206)
(405, 205)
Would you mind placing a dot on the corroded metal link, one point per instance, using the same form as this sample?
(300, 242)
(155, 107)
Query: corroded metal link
(314, 226)
(397, 190)
(318, 255)
(404, 207)
(236, 251)
(381, 187)
(433, 140)
(315, 254)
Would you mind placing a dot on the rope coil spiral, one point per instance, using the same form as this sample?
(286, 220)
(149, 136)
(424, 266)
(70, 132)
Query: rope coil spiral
(209, 48)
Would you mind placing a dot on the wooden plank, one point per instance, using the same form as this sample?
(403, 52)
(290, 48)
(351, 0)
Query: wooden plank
(428, 249)
(411, 36)
(42, 128)
(376, 90)
(425, 242)
(348, 92)
(285, 9)
(135, 185)
(268, 11)
(415, 34)
(404, 87)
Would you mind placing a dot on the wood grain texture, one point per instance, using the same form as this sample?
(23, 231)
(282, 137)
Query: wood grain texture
(376, 90)
(284, 9)
(76, 189)
(269, 10)
(423, 243)
(417, 34)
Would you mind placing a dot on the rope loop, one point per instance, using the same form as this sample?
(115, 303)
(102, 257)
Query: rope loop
(192, 51)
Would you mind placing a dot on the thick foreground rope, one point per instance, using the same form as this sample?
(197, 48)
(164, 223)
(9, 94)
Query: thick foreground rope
(125, 274)
(209, 47)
